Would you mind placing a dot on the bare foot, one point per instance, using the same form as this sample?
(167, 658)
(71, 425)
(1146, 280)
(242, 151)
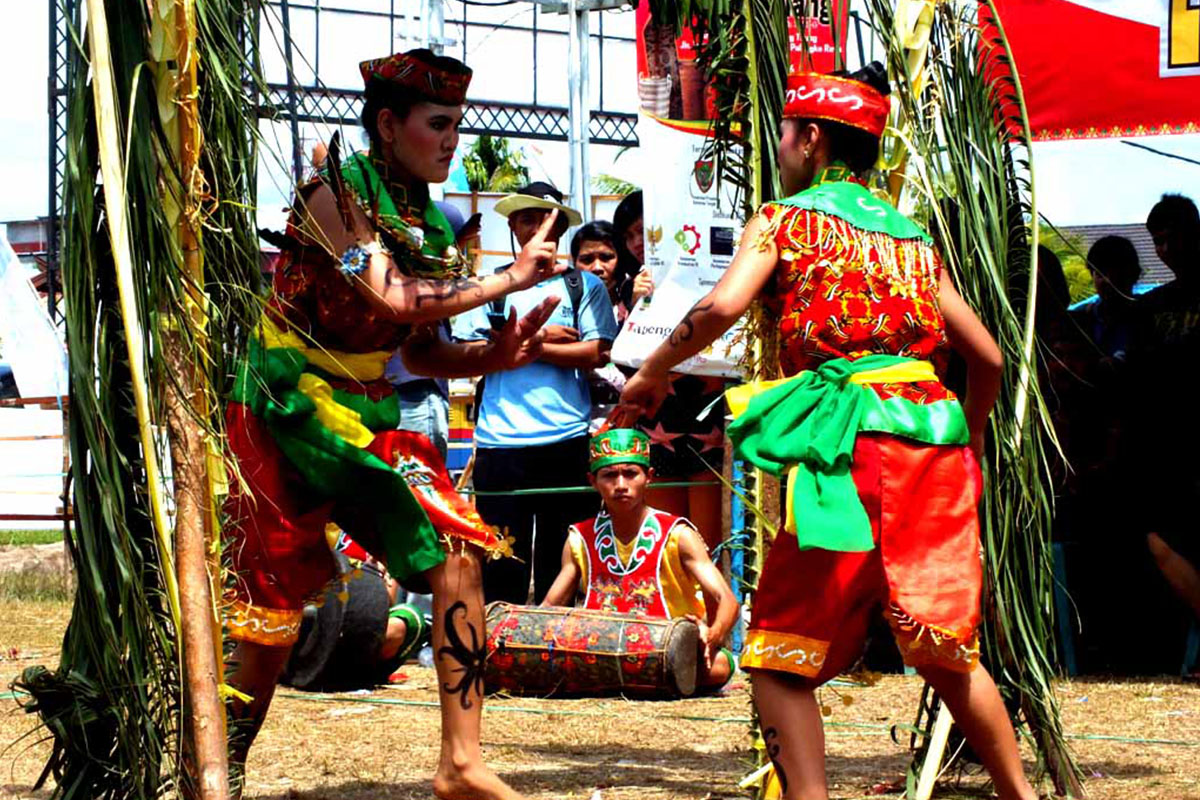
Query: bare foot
(473, 782)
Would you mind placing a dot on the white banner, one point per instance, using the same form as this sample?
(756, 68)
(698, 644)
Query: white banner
(31, 345)
(691, 235)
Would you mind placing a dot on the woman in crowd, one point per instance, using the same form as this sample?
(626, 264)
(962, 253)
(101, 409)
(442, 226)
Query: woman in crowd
(687, 433)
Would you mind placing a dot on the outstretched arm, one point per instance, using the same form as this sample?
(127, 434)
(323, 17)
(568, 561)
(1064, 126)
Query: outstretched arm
(566, 584)
(410, 299)
(708, 319)
(694, 557)
(515, 345)
(985, 362)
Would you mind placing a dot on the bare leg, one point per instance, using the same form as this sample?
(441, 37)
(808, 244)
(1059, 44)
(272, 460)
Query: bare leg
(714, 676)
(794, 735)
(459, 642)
(393, 638)
(977, 708)
(1181, 574)
(254, 670)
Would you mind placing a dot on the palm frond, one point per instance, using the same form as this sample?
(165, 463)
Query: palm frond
(611, 184)
(113, 706)
(491, 165)
(976, 186)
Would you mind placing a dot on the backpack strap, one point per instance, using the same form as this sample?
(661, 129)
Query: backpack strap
(572, 277)
(574, 280)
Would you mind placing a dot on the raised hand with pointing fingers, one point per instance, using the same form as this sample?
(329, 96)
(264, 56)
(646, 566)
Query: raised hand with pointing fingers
(538, 259)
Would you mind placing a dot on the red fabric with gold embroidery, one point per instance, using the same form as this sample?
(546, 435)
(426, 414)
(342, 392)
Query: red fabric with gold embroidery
(844, 292)
(834, 301)
(314, 299)
(921, 502)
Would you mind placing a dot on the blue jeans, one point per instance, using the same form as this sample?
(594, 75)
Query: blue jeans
(424, 409)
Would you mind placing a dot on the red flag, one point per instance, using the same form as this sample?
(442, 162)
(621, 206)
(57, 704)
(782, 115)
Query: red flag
(1101, 68)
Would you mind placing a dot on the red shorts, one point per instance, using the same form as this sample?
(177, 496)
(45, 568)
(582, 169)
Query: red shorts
(277, 526)
(812, 607)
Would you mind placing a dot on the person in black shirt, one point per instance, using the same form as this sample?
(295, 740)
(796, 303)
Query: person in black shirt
(1167, 347)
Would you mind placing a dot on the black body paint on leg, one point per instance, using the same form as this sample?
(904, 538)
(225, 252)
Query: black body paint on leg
(470, 659)
(773, 747)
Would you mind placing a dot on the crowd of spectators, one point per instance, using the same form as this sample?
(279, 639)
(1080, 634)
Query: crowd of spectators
(1115, 380)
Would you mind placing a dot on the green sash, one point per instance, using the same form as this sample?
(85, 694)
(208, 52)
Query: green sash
(811, 422)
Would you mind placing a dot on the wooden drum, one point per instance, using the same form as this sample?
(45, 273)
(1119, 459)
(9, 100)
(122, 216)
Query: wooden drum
(543, 651)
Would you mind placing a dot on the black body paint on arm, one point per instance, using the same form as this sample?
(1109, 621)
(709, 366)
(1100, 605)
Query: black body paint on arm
(470, 659)
(433, 289)
(686, 328)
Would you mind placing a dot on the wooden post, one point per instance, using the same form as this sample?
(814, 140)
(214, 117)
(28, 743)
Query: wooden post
(205, 749)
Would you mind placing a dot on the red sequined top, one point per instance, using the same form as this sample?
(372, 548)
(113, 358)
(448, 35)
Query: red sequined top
(313, 298)
(843, 292)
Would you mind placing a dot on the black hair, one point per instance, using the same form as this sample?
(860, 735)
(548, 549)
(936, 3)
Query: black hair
(1173, 212)
(854, 147)
(400, 99)
(1054, 293)
(1116, 259)
(596, 231)
(629, 211)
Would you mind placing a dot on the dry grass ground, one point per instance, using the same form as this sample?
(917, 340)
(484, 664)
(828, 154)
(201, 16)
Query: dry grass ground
(358, 748)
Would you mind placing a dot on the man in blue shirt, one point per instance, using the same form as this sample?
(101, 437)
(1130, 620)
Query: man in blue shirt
(532, 426)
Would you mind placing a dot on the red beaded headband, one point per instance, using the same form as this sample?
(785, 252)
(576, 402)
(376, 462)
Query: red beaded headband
(438, 85)
(812, 95)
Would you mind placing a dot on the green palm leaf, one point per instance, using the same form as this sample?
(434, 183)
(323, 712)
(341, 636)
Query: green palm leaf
(113, 706)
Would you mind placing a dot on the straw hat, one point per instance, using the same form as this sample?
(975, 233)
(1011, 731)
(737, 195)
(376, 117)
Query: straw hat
(540, 195)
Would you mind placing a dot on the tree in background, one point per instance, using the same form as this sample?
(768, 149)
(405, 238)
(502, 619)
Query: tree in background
(492, 167)
(1072, 252)
(611, 184)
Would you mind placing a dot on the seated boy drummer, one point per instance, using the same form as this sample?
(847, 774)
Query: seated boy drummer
(633, 559)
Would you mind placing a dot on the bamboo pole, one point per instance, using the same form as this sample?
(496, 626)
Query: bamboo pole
(206, 760)
(932, 766)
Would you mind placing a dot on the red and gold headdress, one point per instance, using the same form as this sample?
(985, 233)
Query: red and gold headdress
(813, 95)
(445, 83)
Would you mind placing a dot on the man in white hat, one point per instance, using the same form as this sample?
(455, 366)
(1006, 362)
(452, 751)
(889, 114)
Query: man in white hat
(532, 427)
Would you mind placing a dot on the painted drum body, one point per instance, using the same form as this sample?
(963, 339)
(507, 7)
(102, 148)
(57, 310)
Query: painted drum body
(572, 651)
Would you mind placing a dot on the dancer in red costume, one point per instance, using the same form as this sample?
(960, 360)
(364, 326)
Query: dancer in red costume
(368, 259)
(880, 456)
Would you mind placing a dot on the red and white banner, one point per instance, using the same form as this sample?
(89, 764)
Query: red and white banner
(1106, 68)
(820, 53)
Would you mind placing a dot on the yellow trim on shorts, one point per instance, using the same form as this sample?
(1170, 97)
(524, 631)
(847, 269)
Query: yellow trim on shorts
(784, 652)
(272, 627)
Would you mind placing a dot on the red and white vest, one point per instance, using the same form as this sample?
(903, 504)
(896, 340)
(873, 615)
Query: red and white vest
(628, 588)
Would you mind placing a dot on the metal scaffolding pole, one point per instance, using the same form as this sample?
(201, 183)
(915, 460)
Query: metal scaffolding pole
(579, 105)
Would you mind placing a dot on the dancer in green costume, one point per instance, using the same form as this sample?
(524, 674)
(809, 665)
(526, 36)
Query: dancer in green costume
(367, 261)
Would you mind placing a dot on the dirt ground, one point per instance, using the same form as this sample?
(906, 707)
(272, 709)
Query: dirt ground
(383, 745)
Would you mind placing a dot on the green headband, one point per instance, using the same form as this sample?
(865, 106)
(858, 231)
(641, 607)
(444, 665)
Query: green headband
(619, 446)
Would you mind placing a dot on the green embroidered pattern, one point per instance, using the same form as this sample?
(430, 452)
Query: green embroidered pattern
(428, 241)
(606, 544)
